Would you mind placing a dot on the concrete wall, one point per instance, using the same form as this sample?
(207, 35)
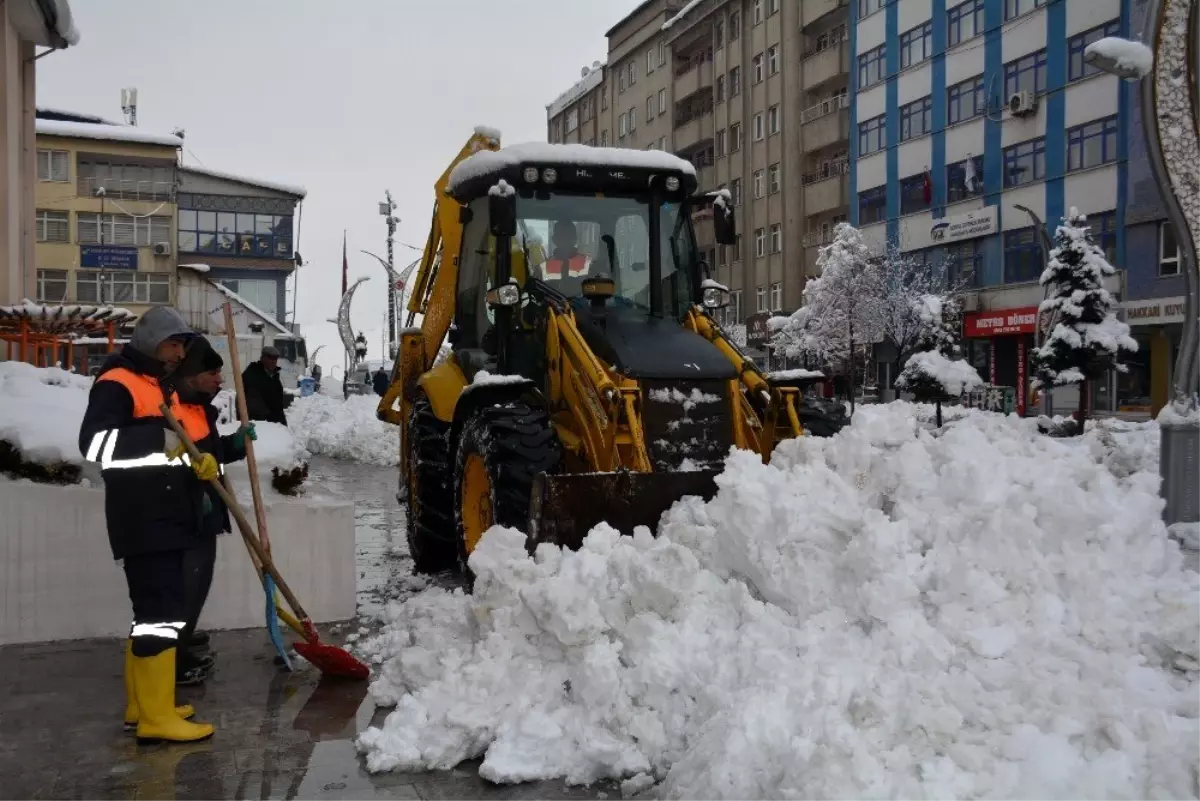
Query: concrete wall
(58, 580)
(17, 70)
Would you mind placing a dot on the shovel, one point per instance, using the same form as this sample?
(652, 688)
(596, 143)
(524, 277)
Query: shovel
(329, 659)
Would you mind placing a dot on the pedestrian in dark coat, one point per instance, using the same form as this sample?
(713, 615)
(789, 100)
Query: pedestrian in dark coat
(265, 398)
(381, 382)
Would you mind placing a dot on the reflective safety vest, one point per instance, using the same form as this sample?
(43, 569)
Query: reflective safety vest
(147, 396)
(577, 265)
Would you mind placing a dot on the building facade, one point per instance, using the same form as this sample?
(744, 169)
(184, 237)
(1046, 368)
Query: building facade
(970, 118)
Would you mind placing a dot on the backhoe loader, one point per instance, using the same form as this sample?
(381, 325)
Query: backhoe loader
(587, 379)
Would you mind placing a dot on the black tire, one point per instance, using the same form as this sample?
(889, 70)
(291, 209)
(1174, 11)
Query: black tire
(516, 442)
(430, 523)
(822, 418)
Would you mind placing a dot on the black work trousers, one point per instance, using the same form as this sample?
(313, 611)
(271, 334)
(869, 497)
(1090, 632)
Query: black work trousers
(156, 590)
(198, 563)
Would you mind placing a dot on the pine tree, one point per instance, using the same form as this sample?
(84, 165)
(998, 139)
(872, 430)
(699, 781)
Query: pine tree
(936, 373)
(1087, 340)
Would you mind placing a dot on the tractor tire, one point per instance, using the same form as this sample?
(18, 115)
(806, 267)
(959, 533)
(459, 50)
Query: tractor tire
(822, 418)
(430, 523)
(500, 452)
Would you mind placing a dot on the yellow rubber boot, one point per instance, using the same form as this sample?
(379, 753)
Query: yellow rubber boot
(154, 686)
(131, 705)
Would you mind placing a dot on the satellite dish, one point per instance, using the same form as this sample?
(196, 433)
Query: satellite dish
(583, 73)
(595, 65)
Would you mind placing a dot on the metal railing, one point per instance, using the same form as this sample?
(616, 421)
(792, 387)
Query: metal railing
(127, 190)
(826, 107)
(830, 43)
(832, 170)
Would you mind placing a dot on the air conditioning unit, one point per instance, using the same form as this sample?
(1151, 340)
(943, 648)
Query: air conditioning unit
(970, 301)
(162, 248)
(1023, 103)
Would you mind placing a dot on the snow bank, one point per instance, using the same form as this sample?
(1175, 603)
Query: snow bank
(344, 429)
(796, 374)
(1127, 56)
(41, 410)
(955, 376)
(890, 612)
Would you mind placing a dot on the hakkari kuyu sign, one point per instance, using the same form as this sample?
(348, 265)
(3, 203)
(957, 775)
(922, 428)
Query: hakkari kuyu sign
(968, 225)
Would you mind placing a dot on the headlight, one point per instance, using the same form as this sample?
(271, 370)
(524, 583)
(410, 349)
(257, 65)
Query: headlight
(549, 175)
(672, 184)
(531, 175)
(504, 295)
(715, 297)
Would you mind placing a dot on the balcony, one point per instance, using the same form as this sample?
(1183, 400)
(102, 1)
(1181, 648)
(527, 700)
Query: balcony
(696, 131)
(826, 194)
(826, 123)
(816, 9)
(829, 62)
(694, 79)
(816, 239)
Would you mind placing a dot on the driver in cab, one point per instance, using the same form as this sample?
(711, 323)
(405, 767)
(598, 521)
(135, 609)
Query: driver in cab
(566, 261)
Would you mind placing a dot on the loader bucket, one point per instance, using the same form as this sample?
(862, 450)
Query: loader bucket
(564, 508)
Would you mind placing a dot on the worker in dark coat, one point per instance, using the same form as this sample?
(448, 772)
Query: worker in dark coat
(153, 507)
(265, 398)
(198, 380)
(381, 382)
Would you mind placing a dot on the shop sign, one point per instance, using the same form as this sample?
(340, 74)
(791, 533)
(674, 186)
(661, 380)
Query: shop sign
(1021, 378)
(104, 256)
(970, 225)
(1157, 311)
(1003, 322)
(757, 331)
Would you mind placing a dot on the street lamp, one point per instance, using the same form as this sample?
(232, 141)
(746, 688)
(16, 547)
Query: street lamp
(1169, 106)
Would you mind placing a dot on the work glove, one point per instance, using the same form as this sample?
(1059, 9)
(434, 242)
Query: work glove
(205, 467)
(243, 433)
(173, 447)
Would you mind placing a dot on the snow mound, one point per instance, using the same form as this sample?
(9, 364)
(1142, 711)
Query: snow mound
(41, 409)
(955, 376)
(344, 429)
(890, 612)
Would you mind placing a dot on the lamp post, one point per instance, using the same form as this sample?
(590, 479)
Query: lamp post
(1169, 123)
(385, 209)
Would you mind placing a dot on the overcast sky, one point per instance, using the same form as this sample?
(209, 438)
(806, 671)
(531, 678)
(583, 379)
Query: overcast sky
(347, 99)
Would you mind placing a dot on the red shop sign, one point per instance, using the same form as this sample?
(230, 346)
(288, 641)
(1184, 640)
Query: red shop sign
(1001, 323)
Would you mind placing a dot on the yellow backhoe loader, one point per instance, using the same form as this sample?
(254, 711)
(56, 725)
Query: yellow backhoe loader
(587, 380)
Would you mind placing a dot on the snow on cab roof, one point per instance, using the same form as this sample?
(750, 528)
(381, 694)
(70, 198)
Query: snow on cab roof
(486, 162)
(291, 189)
(112, 133)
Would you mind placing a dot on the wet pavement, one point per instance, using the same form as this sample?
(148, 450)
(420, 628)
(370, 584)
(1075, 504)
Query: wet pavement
(279, 735)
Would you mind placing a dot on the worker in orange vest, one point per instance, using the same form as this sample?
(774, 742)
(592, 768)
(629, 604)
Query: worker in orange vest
(153, 510)
(566, 260)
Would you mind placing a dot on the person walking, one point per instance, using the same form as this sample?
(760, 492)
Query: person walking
(265, 398)
(198, 380)
(152, 510)
(381, 382)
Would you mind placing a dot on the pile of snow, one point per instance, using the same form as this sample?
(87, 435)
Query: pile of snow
(41, 410)
(890, 612)
(1130, 57)
(344, 429)
(955, 376)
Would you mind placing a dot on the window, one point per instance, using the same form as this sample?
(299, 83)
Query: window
(866, 7)
(718, 34)
(1092, 144)
(122, 229)
(604, 138)
(572, 120)
(1025, 163)
(122, 286)
(52, 165)
(1015, 8)
(756, 68)
(735, 81)
(662, 101)
(776, 240)
(631, 73)
(721, 143)
(662, 52)
(53, 226)
(735, 137)
(914, 194)
(632, 119)
(262, 294)
(772, 59)
(773, 179)
(735, 25)
(1077, 68)
(662, 143)
(760, 242)
(52, 286)
(1168, 251)
(962, 263)
(734, 309)
(965, 100)
(773, 120)
(650, 60)
(871, 67)
(962, 181)
(759, 183)
(650, 108)
(229, 234)
(871, 135)
(777, 296)
(1104, 233)
(872, 205)
(772, 7)
(720, 91)
(916, 119)
(760, 295)
(758, 126)
(916, 45)
(622, 125)
(604, 100)
(963, 22)
(735, 191)
(125, 181)
(758, 11)
(1022, 256)
(1026, 74)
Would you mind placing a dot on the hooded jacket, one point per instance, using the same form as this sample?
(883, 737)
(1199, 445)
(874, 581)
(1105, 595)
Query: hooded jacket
(264, 394)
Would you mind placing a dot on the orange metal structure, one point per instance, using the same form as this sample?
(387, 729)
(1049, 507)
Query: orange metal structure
(35, 333)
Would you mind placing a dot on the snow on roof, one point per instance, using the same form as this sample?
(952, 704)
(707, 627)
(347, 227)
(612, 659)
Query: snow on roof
(1127, 56)
(488, 131)
(291, 189)
(64, 23)
(487, 161)
(269, 319)
(199, 268)
(590, 80)
(114, 133)
(72, 116)
(683, 12)
(44, 313)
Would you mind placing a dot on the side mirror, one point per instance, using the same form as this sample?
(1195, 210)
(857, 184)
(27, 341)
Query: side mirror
(502, 209)
(724, 227)
(504, 295)
(713, 295)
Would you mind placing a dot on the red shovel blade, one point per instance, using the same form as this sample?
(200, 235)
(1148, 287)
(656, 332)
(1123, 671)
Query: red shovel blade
(332, 661)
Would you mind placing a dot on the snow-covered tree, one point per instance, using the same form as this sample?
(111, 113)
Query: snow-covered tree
(907, 285)
(1087, 340)
(936, 373)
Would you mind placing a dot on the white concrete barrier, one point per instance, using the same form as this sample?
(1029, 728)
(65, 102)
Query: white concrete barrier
(58, 580)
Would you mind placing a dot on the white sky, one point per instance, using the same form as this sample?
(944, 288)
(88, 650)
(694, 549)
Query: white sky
(347, 99)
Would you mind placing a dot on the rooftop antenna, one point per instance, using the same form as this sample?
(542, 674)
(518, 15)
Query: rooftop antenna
(129, 104)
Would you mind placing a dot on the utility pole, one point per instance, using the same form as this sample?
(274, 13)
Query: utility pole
(386, 209)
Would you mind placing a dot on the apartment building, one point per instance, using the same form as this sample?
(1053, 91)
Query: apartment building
(574, 116)
(973, 117)
(753, 93)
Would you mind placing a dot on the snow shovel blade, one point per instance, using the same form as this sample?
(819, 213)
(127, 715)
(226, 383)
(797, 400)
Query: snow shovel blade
(564, 508)
(329, 659)
(273, 622)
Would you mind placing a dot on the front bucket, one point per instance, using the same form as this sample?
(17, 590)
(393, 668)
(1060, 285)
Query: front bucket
(564, 508)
